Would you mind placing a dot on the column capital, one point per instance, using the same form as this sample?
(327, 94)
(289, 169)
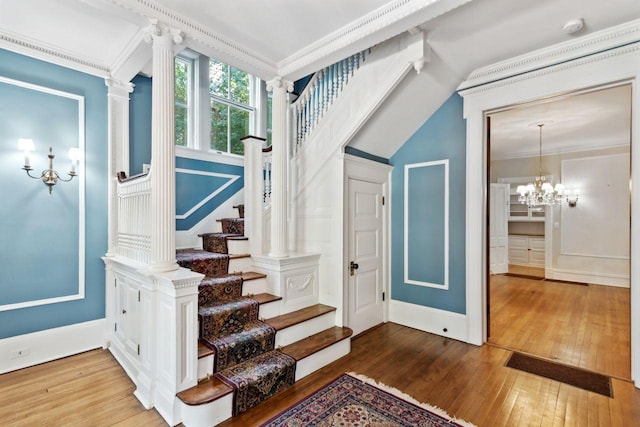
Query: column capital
(156, 31)
(278, 83)
(118, 88)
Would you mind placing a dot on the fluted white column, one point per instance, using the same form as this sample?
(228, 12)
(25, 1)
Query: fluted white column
(118, 151)
(279, 108)
(163, 174)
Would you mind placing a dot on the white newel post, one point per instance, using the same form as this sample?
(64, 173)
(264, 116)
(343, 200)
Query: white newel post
(253, 193)
(169, 295)
(279, 240)
(163, 167)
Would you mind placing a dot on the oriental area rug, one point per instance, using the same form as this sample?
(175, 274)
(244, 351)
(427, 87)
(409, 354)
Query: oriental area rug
(354, 400)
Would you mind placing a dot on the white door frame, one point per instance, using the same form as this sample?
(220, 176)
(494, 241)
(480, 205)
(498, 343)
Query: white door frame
(378, 173)
(602, 59)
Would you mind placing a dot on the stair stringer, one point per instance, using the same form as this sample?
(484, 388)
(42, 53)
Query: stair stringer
(370, 85)
(318, 166)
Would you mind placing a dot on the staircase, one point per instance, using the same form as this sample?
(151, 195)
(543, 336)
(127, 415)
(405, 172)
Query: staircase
(248, 350)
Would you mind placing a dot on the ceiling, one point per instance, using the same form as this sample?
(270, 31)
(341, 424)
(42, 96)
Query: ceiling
(292, 38)
(581, 122)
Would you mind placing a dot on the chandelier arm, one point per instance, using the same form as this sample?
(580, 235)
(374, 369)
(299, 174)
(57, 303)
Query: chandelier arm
(28, 170)
(65, 180)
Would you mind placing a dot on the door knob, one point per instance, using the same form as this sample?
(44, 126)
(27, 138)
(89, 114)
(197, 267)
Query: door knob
(352, 267)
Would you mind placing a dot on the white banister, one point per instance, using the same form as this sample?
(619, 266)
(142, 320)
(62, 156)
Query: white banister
(134, 212)
(254, 193)
(321, 92)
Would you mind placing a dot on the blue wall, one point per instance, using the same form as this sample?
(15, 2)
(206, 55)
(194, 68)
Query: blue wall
(193, 188)
(139, 124)
(442, 136)
(196, 180)
(39, 232)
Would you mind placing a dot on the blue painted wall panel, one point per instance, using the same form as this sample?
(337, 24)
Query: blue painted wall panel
(192, 188)
(442, 136)
(49, 220)
(139, 124)
(426, 224)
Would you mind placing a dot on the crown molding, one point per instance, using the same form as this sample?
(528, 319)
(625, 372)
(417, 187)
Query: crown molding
(556, 55)
(202, 38)
(383, 23)
(40, 50)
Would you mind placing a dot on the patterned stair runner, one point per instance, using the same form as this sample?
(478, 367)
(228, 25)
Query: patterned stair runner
(221, 288)
(217, 242)
(240, 210)
(244, 355)
(259, 378)
(208, 263)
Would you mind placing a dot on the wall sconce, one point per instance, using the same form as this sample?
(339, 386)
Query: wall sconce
(572, 197)
(48, 176)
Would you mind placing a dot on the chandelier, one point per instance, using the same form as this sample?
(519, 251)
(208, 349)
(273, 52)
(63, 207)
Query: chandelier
(540, 192)
(48, 176)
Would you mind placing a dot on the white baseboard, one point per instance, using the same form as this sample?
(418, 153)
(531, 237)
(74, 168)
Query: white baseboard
(429, 319)
(45, 346)
(617, 280)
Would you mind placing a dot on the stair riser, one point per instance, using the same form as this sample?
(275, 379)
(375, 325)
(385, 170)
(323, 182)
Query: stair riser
(322, 358)
(205, 367)
(307, 328)
(238, 246)
(209, 414)
(270, 309)
(255, 286)
(240, 264)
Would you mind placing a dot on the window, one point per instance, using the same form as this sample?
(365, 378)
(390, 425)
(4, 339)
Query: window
(215, 104)
(231, 107)
(183, 99)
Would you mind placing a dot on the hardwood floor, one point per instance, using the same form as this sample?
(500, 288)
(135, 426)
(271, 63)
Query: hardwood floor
(584, 326)
(469, 382)
(89, 389)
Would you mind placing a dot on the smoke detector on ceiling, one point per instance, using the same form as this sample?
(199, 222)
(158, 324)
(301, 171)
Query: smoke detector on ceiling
(573, 25)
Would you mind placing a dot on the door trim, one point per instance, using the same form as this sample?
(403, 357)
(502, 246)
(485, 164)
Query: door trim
(591, 69)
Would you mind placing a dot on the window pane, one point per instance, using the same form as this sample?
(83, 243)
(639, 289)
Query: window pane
(239, 129)
(182, 81)
(181, 125)
(219, 134)
(269, 120)
(218, 78)
(239, 86)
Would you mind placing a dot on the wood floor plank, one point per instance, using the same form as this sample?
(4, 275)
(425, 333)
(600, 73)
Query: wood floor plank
(584, 326)
(469, 382)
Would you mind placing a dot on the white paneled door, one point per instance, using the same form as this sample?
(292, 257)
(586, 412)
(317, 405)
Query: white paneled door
(498, 228)
(365, 255)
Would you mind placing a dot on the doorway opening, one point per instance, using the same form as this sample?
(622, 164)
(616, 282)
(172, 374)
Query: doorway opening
(558, 282)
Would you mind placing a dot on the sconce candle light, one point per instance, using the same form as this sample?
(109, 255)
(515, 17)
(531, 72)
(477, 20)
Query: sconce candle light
(48, 176)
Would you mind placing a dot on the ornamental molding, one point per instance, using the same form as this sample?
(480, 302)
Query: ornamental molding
(573, 52)
(381, 24)
(37, 49)
(635, 47)
(195, 32)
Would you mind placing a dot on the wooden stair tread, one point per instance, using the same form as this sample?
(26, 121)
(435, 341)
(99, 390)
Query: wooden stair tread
(313, 344)
(237, 237)
(221, 219)
(295, 317)
(265, 298)
(238, 256)
(206, 391)
(203, 350)
(251, 275)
